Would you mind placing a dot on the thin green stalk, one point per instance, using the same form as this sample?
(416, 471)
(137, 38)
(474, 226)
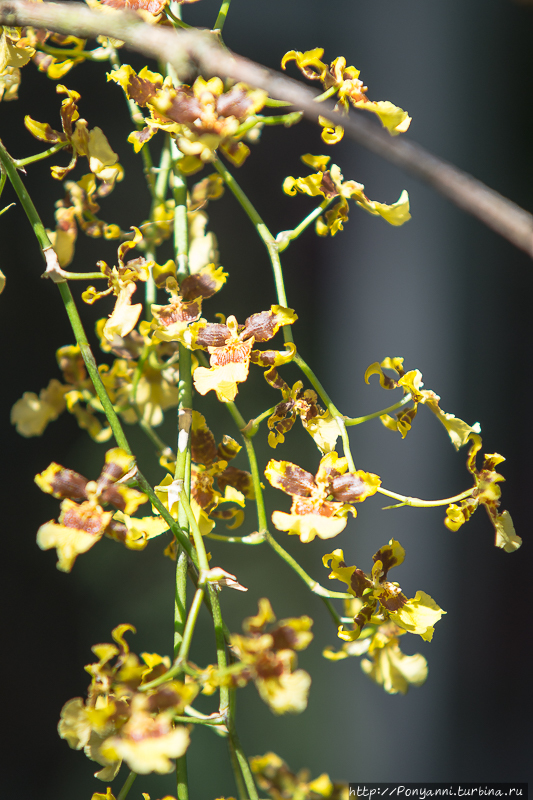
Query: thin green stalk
(22, 162)
(190, 625)
(26, 201)
(325, 95)
(222, 14)
(243, 764)
(239, 780)
(83, 276)
(286, 237)
(128, 783)
(268, 240)
(87, 55)
(182, 781)
(198, 721)
(203, 562)
(313, 585)
(395, 407)
(254, 538)
(333, 410)
(180, 608)
(417, 503)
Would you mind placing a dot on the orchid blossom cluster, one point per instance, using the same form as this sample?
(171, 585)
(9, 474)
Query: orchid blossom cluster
(164, 347)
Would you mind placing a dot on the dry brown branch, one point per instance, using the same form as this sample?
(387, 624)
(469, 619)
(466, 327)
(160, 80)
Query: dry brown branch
(180, 48)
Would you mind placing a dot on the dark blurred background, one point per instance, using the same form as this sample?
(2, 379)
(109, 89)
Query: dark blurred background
(443, 291)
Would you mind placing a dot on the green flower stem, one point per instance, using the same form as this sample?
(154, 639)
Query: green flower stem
(178, 23)
(254, 538)
(254, 469)
(268, 240)
(182, 539)
(180, 609)
(415, 501)
(163, 172)
(325, 95)
(243, 764)
(182, 779)
(222, 661)
(83, 276)
(31, 212)
(189, 629)
(222, 14)
(359, 420)
(336, 617)
(203, 562)
(128, 783)
(333, 410)
(160, 446)
(313, 585)
(256, 119)
(22, 162)
(239, 780)
(286, 237)
(88, 55)
(196, 721)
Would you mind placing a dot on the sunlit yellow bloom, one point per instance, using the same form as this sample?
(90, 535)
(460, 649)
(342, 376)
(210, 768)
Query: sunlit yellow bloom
(337, 78)
(31, 414)
(312, 513)
(381, 599)
(486, 492)
(148, 743)
(202, 117)
(268, 657)
(81, 141)
(411, 383)
(272, 775)
(329, 183)
(82, 525)
(230, 348)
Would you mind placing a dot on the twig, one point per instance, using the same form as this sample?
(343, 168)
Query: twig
(180, 47)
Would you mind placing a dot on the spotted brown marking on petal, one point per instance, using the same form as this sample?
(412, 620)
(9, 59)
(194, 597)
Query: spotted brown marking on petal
(261, 326)
(85, 517)
(327, 186)
(390, 556)
(234, 103)
(67, 483)
(228, 448)
(183, 107)
(269, 666)
(347, 488)
(178, 311)
(141, 91)
(359, 581)
(293, 480)
(111, 494)
(203, 446)
(199, 285)
(264, 358)
(202, 490)
(239, 479)
(364, 615)
(391, 597)
(212, 334)
(285, 637)
(272, 376)
(117, 531)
